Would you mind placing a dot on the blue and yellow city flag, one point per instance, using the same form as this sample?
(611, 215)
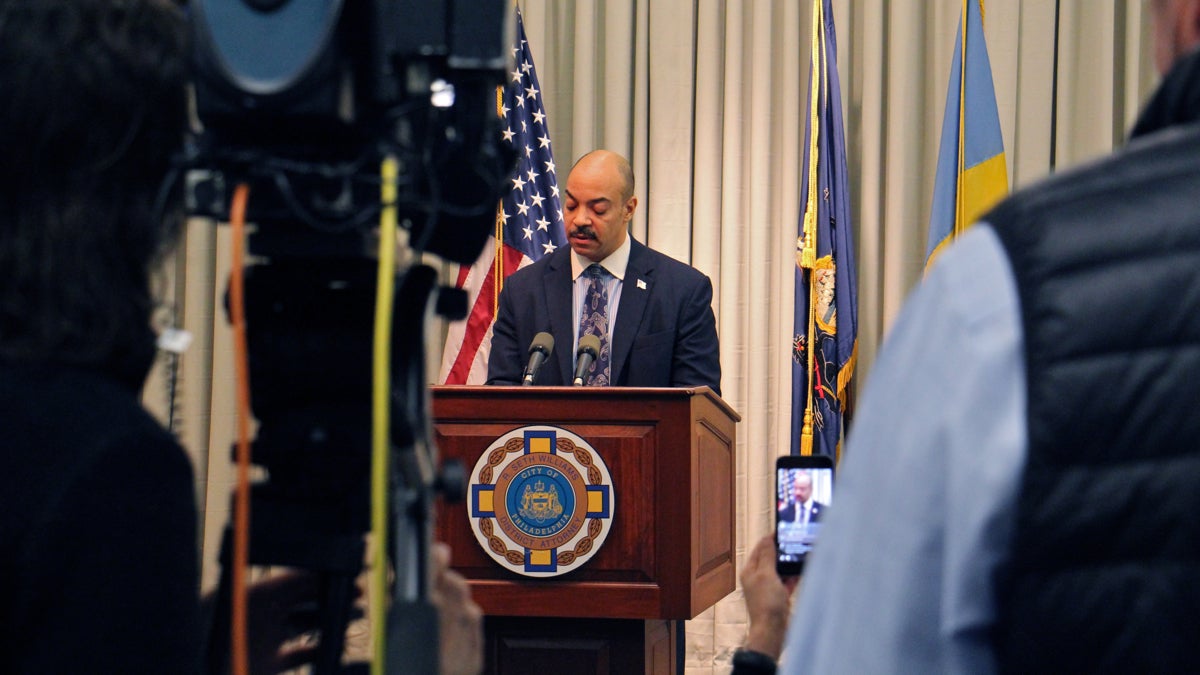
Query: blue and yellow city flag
(971, 172)
(825, 339)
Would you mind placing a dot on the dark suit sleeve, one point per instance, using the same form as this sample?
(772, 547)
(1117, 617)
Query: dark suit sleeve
(787, 514)
(697, 352)
(505, 359)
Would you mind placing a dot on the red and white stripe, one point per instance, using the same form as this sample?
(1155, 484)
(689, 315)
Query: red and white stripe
(468, 342)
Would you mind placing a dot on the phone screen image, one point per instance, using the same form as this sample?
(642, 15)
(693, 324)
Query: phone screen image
(804, 493)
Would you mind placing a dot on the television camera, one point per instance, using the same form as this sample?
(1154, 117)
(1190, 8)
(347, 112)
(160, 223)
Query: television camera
(301, 100)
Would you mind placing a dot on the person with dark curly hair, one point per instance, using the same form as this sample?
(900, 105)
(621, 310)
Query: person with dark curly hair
(98, 567)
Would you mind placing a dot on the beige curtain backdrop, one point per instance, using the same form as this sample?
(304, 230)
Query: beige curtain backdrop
(706, 97)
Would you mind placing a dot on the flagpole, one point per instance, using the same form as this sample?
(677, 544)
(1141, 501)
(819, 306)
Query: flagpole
(498, 243)
(498, 261)
(959, 206)
(808, 252)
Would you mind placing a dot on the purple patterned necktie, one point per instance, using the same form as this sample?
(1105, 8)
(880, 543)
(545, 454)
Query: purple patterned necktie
(594, 320)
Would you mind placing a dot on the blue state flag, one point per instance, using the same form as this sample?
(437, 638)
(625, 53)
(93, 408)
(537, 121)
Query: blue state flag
(825, 340)
(971, 171)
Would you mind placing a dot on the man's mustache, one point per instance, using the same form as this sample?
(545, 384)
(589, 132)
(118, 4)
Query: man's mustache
(583, 231)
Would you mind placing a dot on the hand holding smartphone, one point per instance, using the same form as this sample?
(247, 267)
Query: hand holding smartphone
(803, 491)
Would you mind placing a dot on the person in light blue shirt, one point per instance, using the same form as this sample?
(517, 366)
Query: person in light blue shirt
(901, 579)
(900, 582)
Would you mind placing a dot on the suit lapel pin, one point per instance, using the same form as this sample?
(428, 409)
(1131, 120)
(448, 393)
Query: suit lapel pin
(641, 284)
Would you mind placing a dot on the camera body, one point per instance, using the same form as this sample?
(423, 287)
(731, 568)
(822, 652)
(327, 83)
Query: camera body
(302, 99)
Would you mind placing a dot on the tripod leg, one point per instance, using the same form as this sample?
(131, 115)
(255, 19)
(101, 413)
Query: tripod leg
(412, 636)
(337, 599)
(217, 620)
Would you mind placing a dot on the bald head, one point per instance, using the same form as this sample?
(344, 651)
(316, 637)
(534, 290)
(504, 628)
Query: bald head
(607, 160)
(598, 204)
(802, 487)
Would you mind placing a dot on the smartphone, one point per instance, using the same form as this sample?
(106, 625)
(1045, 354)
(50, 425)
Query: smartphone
(803, 492)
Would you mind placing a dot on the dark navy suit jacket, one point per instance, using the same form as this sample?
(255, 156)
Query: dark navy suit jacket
(788, 513)
(665, 336)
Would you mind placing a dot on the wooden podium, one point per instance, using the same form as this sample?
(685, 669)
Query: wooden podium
(669, 554)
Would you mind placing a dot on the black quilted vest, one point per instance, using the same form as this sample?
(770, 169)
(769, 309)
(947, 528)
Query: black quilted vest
(1105, 572)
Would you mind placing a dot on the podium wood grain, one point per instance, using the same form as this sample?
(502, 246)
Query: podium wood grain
(670, 453)
(669, 554)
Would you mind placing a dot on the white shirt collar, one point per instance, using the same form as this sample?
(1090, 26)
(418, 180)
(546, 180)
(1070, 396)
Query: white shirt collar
(615, 263)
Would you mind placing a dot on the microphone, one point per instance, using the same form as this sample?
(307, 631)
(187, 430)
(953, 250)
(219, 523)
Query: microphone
(539, 350)
(585, 356)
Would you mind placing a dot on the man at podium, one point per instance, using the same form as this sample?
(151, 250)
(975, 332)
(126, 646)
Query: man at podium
(651, 315)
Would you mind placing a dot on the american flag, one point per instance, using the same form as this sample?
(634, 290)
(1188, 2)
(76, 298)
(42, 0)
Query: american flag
(529, 221)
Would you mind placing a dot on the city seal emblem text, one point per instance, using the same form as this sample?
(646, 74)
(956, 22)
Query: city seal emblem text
(540, 501)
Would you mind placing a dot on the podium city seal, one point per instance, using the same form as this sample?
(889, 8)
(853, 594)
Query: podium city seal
(540, 501)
